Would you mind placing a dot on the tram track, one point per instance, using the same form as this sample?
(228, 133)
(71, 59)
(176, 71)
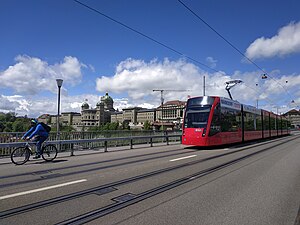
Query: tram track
(50, 175)
(132, 199)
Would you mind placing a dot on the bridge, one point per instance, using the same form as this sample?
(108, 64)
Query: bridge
(157, 183)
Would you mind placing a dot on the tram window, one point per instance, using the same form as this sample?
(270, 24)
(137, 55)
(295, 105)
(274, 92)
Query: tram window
(266, 123)
(200, 101)
(284, 124)
(230, 120)
(258, 122)
(196, 117)
(252, 122)
(215, 126)
(273, 123)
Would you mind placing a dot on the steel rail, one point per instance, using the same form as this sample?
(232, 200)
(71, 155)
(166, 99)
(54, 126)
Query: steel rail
(103, 189)
(95, 214)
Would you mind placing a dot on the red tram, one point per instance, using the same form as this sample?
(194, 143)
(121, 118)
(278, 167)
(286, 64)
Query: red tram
(210, 121)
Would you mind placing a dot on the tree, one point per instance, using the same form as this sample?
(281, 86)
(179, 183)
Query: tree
(18, 126)
(8, 127)
(147, 125)
(125, 125)
(106, 126)
(94, 128)
(68, 129)
(21, 125)
(10, 123)
(114, 126)
(10, 117)
(1, 126)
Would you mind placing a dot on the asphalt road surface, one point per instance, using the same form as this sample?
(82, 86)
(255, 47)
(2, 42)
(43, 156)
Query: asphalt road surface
(257, 183)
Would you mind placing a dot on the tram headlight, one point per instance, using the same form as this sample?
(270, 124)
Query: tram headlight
(204, 131)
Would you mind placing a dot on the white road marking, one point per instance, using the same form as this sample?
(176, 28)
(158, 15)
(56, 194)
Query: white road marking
(191, 156)
(41, 189)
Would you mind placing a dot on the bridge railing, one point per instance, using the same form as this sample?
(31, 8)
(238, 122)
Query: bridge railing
(77, 141)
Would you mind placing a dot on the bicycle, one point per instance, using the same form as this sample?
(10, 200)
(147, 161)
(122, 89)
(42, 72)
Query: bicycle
(21, 155)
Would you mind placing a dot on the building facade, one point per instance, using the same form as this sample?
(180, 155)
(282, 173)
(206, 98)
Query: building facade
(45, 118)
(70, 119)
(167, 116)
(294, 117)
(99, 115)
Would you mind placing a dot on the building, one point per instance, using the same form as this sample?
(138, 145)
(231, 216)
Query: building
(45, 118)
(99, 115)
(294, 117)
(170, 115)
(116, 117)
(130, 114)
(70, 119)
(88, 116)
(144, 115)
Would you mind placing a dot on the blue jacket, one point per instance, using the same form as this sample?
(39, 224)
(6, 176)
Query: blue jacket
(36, 130)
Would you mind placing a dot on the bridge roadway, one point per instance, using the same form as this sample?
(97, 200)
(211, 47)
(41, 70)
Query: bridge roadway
(258, 183)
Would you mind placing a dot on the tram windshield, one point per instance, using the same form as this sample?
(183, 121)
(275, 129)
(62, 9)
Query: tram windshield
(197, 117)
(197, 112)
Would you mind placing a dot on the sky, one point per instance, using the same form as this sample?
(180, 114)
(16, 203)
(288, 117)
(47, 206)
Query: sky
(128, 48)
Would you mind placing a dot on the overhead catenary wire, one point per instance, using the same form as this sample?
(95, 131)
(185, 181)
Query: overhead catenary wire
(228, 42)
(145, 36)
(162, 44)
(269, 100)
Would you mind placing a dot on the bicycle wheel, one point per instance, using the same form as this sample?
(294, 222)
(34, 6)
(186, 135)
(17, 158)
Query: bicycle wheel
(20, 155)
(49, 152)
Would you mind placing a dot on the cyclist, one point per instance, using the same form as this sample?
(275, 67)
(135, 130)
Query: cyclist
(40, 135)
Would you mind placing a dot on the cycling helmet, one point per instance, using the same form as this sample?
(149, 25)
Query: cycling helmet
(34, 121)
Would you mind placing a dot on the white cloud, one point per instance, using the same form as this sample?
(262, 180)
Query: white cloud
(286, 42)
(7, 105)
(36, 106)
(212, 62)
(271, 92)
(138, 78)
(31, 75)
(135, 80)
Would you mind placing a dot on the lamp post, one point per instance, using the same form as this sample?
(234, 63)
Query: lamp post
(59, 84)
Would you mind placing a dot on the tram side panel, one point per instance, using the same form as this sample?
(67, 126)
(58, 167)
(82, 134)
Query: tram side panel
(266, 124)
(273, 125)
(230, 121)
(252, 123)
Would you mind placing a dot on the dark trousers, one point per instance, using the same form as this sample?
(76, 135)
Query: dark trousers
(40, 140)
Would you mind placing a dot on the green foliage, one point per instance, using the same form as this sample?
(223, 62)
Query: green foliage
(63, 128)
(125, 125)
(107, 126)
(9, 122)
(8, 127)
(114, 126)
(147, 125)
(95, 128)
(68, 128)
(2, 126)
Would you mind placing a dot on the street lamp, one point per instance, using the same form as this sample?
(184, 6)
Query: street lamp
(59, 84)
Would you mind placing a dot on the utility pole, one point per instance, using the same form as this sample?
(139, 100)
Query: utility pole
(204, 85)
(162, 101)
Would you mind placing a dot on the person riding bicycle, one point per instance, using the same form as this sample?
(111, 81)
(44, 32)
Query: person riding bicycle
(40, 135)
